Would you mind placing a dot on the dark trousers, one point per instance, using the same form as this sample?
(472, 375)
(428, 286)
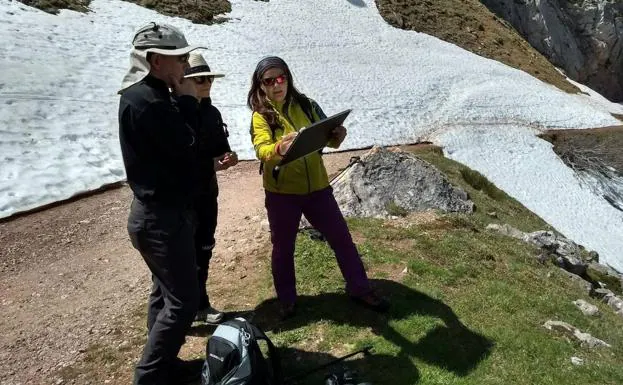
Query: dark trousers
(323, 213)
(164, 237)
(206, 208)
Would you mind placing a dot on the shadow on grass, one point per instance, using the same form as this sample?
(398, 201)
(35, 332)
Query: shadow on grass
(371, 368)
(451, 346)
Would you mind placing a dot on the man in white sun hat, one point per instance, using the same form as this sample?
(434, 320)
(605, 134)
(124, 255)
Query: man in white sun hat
(215, 155)
(159, 148)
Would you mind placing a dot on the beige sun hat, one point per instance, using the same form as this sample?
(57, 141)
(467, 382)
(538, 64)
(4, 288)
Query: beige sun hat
(162, 39)
(199, 67)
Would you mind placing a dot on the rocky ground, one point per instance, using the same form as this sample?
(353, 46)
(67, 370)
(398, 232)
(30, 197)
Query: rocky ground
(70, 279)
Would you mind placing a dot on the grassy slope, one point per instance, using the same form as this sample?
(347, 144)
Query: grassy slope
(467, 310)
(53, 6)
(470, 25)
(202, 12)
(606, 143)
(199, 11)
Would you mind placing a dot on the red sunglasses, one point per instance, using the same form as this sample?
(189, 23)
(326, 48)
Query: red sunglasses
(269, 82)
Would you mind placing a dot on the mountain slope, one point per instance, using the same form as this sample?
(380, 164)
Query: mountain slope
(470, 25)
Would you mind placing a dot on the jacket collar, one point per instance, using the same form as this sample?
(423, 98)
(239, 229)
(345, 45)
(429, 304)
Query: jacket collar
(154, 82)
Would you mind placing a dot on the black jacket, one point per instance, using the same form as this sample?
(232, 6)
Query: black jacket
(159, 144)
(212, 140)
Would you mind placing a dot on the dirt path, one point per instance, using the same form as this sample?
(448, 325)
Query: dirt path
(69, 277)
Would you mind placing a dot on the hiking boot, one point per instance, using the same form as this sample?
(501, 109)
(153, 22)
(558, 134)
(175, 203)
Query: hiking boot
(209, 315)
(373, 302)
(186, 372)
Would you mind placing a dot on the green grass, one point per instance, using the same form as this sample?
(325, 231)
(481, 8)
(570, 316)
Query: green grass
(468, 310)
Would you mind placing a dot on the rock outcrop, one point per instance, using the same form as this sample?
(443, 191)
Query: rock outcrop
(385, 183)
(582, 37)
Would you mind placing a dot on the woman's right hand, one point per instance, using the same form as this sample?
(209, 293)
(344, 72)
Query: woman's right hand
(284, 144)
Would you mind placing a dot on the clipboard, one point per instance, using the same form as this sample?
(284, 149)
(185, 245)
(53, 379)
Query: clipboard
(312, 138)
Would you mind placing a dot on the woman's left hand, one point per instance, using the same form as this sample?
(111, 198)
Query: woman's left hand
(225, 161)
(230, 159)
(339, 134)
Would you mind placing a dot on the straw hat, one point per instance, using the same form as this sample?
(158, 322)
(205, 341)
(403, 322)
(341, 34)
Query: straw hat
(199, 67)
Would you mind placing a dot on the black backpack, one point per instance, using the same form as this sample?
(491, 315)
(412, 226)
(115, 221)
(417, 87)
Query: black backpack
(233, 356)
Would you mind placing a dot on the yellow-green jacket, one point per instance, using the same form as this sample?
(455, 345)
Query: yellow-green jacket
(302, 176)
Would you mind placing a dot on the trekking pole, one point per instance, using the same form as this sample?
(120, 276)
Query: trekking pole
(292, 379)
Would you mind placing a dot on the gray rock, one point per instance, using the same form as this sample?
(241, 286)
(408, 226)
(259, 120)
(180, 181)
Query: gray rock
(601, 293)
(586, 308)
(585, 285)
(573, 332)
(606, 275)
(614, 302)
(593, 256)
(548, 240)
(577, 361)
(611, 299)
(392, 183)
(572, 264)
(585, 38)
(568, 253)
(506, 229)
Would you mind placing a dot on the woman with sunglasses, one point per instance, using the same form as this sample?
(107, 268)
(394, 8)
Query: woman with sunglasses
(300, 187)
(215, 155)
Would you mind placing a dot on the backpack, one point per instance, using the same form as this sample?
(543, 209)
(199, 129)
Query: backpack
(309, 106)
(233, 356)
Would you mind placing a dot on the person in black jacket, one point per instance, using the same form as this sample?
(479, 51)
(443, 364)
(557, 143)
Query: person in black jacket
(160, 151)
(214, 154)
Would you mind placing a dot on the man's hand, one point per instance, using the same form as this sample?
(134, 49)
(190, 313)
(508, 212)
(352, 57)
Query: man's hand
(338, 135)
(183, 87)
(284, 144)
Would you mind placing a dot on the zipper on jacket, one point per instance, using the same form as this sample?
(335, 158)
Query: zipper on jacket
(287, 116)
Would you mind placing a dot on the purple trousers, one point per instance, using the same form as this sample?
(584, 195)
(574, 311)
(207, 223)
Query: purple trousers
(322, 212)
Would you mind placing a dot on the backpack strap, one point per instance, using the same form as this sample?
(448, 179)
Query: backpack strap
(275, 362)
(309, 106)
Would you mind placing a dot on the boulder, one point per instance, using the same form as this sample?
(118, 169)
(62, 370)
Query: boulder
(385, 183)
(586, 308)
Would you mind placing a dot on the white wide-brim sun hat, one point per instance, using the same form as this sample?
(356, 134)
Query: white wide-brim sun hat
(199, 67)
